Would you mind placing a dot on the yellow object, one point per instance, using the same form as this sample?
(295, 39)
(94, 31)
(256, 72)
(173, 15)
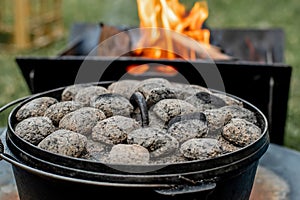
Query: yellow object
(31, 23)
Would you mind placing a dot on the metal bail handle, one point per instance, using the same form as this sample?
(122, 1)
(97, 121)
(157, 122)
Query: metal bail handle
(137, 99)
(1, 150)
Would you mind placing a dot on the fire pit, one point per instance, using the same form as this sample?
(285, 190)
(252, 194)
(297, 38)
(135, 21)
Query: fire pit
(265, 85)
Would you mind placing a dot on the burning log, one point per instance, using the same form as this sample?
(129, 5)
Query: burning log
(201, 50)
(167, 31)
(174, 32)
(182, 46)
(115, 46)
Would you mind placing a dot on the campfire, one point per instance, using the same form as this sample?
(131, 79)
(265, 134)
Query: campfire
(167, 31)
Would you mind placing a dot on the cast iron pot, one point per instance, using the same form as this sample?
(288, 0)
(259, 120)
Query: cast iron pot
(41, 175)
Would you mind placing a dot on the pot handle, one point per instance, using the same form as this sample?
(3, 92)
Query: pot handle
(4, 156)
(1, 150)
(8, 158)
(137, 99)
(203, 189)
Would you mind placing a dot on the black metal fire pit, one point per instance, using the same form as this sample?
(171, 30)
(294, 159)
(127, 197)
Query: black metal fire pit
(258, 74)
(264, 85)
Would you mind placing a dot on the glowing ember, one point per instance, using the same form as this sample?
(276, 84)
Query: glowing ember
(138, 70)
(160, 18)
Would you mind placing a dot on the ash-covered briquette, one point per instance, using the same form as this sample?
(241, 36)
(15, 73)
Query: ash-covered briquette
(154, 92)
(184, 91)
(190, 116)
(241, 132)
(154, 82)
(86, 94)
(155, 121)
(227, 147)
(188, 129)
(64, 142)
(82, 120)
(96, 151)
(156, 141)
(205, 101)
(201, 148)
(169, 108)
(70, 92)
(113, 104)
(123, 87)
(229, 100)
(216, 119)
(34, 129)
(238, 112)
(35, 107)
(114, 130)
(128, 154)
(57, 111)
(149, 89)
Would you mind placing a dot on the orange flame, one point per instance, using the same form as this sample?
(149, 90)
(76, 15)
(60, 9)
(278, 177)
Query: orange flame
(162, 15)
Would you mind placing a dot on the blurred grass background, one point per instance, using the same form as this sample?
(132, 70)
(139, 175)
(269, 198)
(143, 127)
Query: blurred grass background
(223, 14)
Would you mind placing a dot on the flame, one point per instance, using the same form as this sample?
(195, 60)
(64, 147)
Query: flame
(160, 18)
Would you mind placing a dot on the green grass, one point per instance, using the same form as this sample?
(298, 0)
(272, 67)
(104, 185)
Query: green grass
(223, 14)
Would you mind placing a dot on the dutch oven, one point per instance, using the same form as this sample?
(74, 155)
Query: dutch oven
(41, 175)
